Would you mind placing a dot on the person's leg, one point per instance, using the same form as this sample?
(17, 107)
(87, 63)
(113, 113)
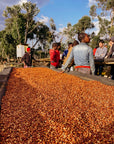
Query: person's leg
(96, 69)
(112, 72)
(100, 69)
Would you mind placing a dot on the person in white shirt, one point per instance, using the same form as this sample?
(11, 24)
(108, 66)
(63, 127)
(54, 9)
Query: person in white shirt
(99, 56)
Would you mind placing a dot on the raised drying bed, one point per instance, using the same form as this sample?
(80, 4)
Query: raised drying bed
(4, 75)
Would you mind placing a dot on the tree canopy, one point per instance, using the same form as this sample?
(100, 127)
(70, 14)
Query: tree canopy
(104, 8)
(83, 24)
(21, 26)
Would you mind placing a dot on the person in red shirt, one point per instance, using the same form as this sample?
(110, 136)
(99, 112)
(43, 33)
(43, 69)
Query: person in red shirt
(94, 50)
(58, 53)
(53, 56)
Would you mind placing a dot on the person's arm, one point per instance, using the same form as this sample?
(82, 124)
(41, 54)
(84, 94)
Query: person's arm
(104, 53)
(97, 54)
(32, 57)
(68, 61)
(91, 61)
(109, 53)
(63, 55)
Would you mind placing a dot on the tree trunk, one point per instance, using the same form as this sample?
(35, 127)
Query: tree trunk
(33, 28)
(2, 52)
(26, 32)
(112, 17)
(18, 33)
(8, 60)
(35, 43)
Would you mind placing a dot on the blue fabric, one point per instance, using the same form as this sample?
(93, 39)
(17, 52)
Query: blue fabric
(65, 53)
(83, 56)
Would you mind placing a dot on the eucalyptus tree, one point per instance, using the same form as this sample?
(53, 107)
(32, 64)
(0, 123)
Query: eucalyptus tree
(31, 10)
(52, 24)
(12, 17)
(7, 45)
(20, 20)
(104, 8)
(20, 25)
(52, 28)
(107, 6)
(83, 24)
(68, 32)
(95, 41)
(71, 31)
(42, 34)
(45, 34)
(104, 26)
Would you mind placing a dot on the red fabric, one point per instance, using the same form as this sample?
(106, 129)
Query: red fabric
(94, 51)
(58, 57)
(82, 67)
(28, 49)
(53, 57)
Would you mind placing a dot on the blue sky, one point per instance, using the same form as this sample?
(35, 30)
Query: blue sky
(65, 11)
(62, 11)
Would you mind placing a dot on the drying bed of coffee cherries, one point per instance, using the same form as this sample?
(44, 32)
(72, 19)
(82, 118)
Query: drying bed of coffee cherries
(42, 106)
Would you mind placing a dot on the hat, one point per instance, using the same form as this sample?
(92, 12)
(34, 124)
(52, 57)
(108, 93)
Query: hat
(112, 38)
(28, 49)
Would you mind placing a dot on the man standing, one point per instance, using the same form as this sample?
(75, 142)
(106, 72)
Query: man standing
(69, 51)
(111, 50)
(58, 53)
(83, 56)
(26, 59)
(99, 56)
(111, 55)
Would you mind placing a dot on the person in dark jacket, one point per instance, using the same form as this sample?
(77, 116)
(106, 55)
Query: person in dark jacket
(26, 59)
(111, 50)
(111, 55)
